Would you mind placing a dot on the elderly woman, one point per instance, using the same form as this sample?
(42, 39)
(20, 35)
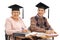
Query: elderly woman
(14, 24)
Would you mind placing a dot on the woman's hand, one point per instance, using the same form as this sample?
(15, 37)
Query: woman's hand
(25, 30)
(18, 31)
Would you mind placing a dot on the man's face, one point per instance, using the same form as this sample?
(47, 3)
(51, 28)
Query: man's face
(41, 11)
(15, 13)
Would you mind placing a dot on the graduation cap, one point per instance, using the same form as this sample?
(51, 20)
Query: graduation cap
(17, 7)
(42, 5)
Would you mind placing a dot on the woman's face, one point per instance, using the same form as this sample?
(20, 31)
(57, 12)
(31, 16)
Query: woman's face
(15, 13)
(41, 11)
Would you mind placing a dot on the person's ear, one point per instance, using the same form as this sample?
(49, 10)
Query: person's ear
(38, 9)
(44, 11)
(12, 12)
(19, 12)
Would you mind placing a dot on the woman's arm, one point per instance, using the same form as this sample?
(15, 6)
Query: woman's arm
(8, 27)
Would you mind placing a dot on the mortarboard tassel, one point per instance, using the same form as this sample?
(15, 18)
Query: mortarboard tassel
(22, 13)
(48, 13)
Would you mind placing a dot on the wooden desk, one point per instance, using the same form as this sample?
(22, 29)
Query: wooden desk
(48, 37)
(21, 37)
(30, 37)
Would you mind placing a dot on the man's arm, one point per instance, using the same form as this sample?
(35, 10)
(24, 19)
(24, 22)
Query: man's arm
(48, 27)
(33, 26)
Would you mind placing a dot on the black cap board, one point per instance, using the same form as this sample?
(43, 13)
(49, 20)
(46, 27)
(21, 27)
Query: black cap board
(17, 7)
(42, 5)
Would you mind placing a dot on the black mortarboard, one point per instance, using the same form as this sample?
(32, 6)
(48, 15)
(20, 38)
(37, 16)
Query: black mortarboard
(17, 7)
(42, 5)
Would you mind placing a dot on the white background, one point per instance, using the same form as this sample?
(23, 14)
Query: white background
(29, 11)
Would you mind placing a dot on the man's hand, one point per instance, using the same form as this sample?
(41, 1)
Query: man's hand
(42, 30)
(50, 32)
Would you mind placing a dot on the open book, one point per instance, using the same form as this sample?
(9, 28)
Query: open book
(52, 35)
(38, 34)
(35, 34)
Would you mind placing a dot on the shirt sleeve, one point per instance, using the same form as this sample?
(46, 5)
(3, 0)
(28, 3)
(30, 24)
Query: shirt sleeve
(8, 28)
(34, 27)
(23, 25)
(48, 25)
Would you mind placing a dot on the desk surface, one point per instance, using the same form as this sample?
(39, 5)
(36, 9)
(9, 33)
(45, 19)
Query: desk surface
(30, 36)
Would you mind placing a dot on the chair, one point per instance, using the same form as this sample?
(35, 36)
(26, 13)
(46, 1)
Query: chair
(7, 37)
